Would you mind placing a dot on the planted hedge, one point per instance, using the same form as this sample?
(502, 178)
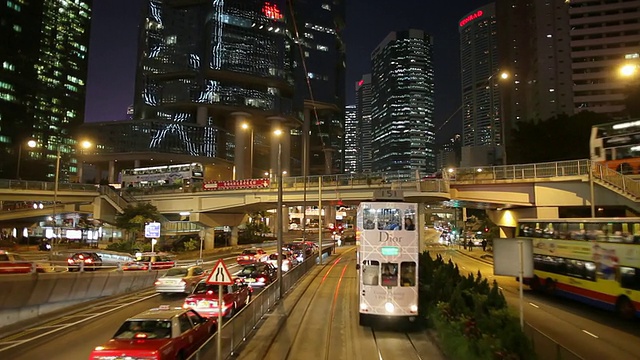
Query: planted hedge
(470, 317)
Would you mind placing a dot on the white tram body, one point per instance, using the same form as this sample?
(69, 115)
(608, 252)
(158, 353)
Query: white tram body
(388, 243)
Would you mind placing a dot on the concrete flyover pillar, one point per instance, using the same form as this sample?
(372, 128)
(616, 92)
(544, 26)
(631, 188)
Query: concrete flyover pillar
(112, 172)
(243, 156)
(234, 236)
(202, 115)
(208, 234)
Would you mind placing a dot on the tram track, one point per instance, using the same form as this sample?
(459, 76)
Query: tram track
(387, 342)
(305, 308)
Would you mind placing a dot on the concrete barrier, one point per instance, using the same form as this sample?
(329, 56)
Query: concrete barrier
(26, 296)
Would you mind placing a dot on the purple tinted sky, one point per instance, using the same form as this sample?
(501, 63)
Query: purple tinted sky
(114, 32)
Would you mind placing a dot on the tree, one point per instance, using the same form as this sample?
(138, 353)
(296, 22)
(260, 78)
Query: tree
(632, 101)
(133, 218)
(561, 137)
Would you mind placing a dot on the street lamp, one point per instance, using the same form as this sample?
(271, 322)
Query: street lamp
(31, 144)
(280, 222)
(246, 126)
(503, 119)
(84, 144)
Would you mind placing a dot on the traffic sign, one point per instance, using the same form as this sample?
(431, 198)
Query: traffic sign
(152, 230)
(220, 275)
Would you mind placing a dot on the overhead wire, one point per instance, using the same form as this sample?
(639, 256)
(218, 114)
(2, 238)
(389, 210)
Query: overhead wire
(306, 73)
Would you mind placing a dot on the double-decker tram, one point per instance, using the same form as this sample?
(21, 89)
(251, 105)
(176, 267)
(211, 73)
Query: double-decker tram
(594, 260)
(388, 250)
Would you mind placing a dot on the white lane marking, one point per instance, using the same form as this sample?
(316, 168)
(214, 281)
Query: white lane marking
(590, 334)
(20, 342)
(534, 305)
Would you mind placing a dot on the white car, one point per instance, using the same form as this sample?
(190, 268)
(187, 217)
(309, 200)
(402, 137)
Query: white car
(180, 280)
(287, 263)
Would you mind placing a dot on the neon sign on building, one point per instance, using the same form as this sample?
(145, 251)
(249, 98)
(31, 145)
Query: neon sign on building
(473, 16)
(271, 11)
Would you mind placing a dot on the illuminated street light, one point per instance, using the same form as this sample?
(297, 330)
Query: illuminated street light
(628, 70)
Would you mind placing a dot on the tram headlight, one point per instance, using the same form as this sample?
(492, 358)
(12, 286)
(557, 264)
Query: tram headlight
(363, 306)
(389, 307)
(413, 308)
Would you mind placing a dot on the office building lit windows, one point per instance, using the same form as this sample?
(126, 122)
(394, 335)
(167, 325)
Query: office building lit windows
(403, 137)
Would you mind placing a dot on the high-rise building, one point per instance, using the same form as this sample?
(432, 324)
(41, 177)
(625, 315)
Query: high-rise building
(403, 102)
(604, 37)
(449, 153)
(214, 81)
(350, 140)
(364, 102)
(43, 71)
(320, 82)
(481, 125)
(537, 56)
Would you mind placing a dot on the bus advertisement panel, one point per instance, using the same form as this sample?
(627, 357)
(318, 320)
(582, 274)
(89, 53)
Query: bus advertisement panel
(388, 250)
(595, 261)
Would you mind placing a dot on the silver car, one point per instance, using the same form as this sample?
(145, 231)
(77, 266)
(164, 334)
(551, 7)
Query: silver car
(180, 280)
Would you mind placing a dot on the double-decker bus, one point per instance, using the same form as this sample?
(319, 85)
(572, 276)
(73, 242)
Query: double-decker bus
(595, 261)
(185, 175)
(387, 250)
(617, 145)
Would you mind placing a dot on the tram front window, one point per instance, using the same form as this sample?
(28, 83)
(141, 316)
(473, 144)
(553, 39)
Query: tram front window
(389, 274)
(408, 273)
(370, 271)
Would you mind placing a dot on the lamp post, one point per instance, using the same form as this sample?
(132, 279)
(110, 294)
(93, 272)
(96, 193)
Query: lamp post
(246, 126)
(31, 144)
(279, 223)
(85, 144)
(503, 118)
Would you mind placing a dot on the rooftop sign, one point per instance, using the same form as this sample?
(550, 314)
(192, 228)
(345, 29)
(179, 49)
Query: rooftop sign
(473, 16)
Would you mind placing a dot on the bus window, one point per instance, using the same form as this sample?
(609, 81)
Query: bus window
(370, 271)
(408, 273)
(389, 274)
(630, 278)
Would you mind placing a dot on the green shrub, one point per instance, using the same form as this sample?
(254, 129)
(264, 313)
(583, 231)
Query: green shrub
(469, 314)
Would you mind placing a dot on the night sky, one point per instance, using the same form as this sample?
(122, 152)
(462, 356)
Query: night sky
(112, 56)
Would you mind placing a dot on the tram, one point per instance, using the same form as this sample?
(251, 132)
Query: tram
(388, 245)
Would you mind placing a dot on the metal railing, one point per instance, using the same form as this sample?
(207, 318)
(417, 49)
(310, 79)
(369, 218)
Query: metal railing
(114, 196)
(547, 348)
(47, 186)
(624, 184)
(236, 330)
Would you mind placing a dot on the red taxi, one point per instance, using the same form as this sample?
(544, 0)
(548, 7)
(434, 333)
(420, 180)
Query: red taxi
(157, 262)
(204, 298)
(251, 255)
(11, 263)
(159, 334)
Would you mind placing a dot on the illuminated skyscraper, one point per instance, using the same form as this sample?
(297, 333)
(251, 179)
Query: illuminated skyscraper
(363, 117)
(403, 102)
(43, 71)
(479, 73)
(207, 68)
(350, 140)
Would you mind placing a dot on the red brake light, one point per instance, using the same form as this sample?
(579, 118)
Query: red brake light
(140, 336)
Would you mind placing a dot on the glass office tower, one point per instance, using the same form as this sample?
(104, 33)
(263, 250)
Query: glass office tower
(205, 66)
(350, 140)
(403, 133)
(43, 70)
